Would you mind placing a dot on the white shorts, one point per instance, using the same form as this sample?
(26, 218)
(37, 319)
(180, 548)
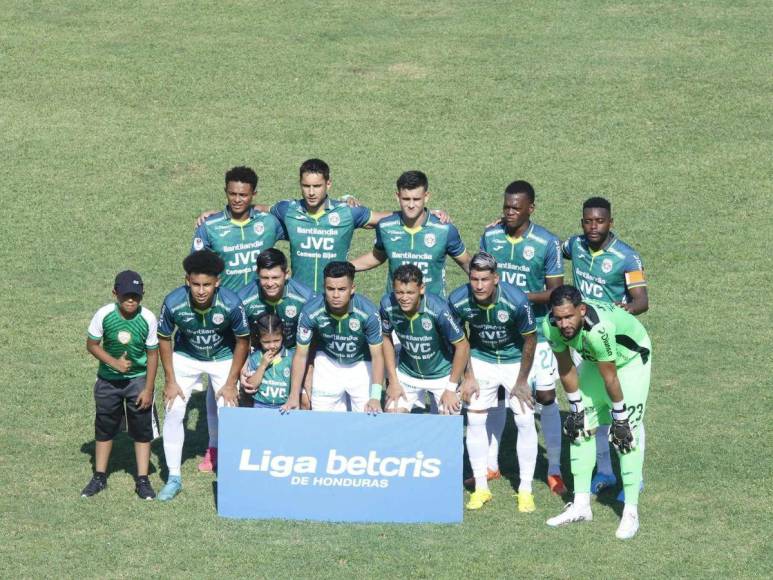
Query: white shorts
(416, 390)
(333, 380)
(189, 373)
(490, 377)
(544, 371)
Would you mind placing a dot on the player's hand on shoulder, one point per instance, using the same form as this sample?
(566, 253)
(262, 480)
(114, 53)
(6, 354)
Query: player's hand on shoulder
(350, 200)
(203, 217)
(496, 222)
(621, 436)
(442, 215)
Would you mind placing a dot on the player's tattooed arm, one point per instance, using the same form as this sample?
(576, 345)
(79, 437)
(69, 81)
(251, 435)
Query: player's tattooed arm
(521, 390)
(145, 398)
(369, 260)
(640, 301)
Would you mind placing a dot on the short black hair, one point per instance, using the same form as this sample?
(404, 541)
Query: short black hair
(599, 202)
(203, 262)
(408, 273)
(339, 270)
(271, 258)
(315, 166)
(242, 174)
(565, 293)
(520, 186)
(412, 180)
(483, 262)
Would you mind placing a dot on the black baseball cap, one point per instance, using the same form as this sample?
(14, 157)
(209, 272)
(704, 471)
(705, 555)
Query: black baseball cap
(128, 282)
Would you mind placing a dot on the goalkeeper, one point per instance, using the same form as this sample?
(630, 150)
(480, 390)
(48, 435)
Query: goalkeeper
(611, 388)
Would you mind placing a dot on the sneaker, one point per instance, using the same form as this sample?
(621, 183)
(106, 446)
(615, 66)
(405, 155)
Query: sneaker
(526, 502)
(628, 527)
(556, 484)
(97, 484)
(173, 486)
(143, 488)
(478, 499)
(602, 481)
(621, 495)
(490, 474)
(209, 462)
(572, 513)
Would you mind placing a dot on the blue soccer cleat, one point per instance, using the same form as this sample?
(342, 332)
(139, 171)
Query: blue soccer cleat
(174, 485)
(602, 481)
(621, 495)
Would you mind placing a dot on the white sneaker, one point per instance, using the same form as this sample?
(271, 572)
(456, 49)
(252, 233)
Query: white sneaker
(572, 513)
(628, 527)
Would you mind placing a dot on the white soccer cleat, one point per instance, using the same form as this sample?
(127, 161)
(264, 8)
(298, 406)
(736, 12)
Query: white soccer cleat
(628, 527)
(572, 513)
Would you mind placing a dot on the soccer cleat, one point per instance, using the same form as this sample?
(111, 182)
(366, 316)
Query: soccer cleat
(556, 484)
(572, 513)
(143, 488)
(628, 527)
(478, 498)
(621, 495)
(173, 486)
(526, 502)
(94, 486)
(209, 462)
(602, 481)
(490, 474)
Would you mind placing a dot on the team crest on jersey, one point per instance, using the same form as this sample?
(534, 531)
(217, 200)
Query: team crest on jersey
(528, 252)
(335, 219)
(606, 266)
(354, 325)
(259, 228)
(286, 373)
(503, 316)
(218, 318)
(291, 311)
(124, 337)
(198, 244)
(426, 324)
(304, 334)
(429, 240)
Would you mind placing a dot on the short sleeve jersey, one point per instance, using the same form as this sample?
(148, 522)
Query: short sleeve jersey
(238, 243)
(609, 334)
(316, 240)
(607, 274)
(203, 334)
(526, 261)
(134, 336)
(426, 338)
(426, 246)
(345, 339)
(288, 307)
(496, 331)
(275, 386)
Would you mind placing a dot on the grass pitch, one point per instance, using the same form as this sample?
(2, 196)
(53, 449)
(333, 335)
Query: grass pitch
(119, 119)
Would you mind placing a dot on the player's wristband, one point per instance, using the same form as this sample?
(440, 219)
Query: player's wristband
(375, 391)
(618, 411)
(575, 401)
(452, 386)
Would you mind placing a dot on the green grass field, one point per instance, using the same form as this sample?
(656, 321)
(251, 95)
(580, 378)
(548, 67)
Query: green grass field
(118, 120)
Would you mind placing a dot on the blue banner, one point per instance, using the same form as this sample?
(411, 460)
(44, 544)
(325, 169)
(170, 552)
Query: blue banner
(344, 467)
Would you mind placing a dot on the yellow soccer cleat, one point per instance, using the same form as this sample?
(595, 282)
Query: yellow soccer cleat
(526, 502)
(478, 498)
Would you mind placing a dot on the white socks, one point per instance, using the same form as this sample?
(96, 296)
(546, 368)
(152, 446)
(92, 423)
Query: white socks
(211, 415)
(495, 426)
(551, 430)
(174, 436)
(582, 499)
(477, 448)
(526, 448)
(603, 459)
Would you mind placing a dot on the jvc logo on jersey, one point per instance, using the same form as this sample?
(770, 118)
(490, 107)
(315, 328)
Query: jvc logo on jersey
(423, 266)
(244, 258)
(343, 347)
(417, 347)
(591, 289)
(205, 340)
(515, 278)
(493, 335)
(313, 243)
(274, 392)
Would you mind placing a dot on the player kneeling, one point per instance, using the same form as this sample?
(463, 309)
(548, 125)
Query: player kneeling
(434, 350)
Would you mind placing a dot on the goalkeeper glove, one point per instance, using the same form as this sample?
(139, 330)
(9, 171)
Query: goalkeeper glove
(621, 436)
(575, 426)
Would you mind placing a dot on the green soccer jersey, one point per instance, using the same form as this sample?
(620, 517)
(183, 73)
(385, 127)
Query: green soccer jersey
(288, 307)
(133, 336)
(426, 246)
(275, 386)
(426, 338)
(496, 331)
(316, 240)
(606, 274)
(238, 243)
(526, 261)
(609, 334)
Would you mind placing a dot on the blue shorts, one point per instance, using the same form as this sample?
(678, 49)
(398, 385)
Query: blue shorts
(259, 405)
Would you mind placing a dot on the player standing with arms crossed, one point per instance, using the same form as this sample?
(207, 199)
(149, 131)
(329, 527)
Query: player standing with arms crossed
(606, 268)
(211, 338)
(611, 386)
(503, 339)
(434, 349)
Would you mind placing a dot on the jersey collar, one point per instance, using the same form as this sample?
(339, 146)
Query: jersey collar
(282, 297)
(250, 214)
(419, 311)
(197, 310)
(325, 207)
(348, 311)
(417, 228)
(494, 302)
(519, 239)
(611, 239)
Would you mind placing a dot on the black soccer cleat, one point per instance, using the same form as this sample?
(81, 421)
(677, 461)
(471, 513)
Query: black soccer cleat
(97, 484)
(143, 488)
